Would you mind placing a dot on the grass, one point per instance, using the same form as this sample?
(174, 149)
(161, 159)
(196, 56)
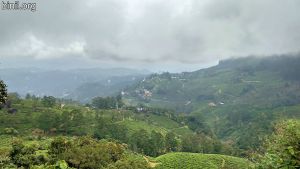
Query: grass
(182, 131)
(137, 125)
(157, 123)
(163, 122)
(200, 161)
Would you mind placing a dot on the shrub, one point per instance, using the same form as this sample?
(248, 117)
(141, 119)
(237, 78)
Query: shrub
(283, 147)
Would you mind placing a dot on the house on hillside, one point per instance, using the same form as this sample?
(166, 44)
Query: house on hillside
(212, 104)
(147, 93)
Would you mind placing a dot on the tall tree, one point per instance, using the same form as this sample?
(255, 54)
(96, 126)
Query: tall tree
(139, 141)
(48, 120)
(48, 101)
(3, 92)
(171, 142)
(157, 143)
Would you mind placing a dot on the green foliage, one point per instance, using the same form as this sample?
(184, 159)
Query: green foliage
(26, 155)
(4, 157)
(147, 131)
(86, 152)
(72, 122)
(130, 163)
(48, 101)
(3, 92)
(58, 165)
(107, 102)
(66, 152)
(94, 155)
(106, 129)
(192, 143)
(157, 144)
(48, 120)
(171, 142)
(234, 101)
(59, 146)
(139, 141)
(283, 147)
(10, 131)
(196, 161)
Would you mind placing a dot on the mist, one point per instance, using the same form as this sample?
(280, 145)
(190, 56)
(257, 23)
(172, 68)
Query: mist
(155, 35)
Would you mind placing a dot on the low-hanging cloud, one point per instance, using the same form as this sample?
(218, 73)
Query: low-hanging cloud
(151, 31)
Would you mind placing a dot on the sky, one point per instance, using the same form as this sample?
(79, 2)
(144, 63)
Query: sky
(158, 35)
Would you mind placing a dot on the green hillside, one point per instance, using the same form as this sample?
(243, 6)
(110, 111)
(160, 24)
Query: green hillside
(215, 114)
(26, 114)
(29, 127)
(268, 82)
(237, 96)
(203, 161)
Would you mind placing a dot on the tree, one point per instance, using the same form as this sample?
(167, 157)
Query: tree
(59, 145)
(100, 102)
(13, 98)
(191, 143)
(3, 92)
(25, 155)
(28, 96)
(107, 102)
(118, 131)
(171, 142)
(101, 130)
(87, 153)
(139, 142)
(48, 120)
(119, 101)
(73, 122)
(106, 129)
(157, 142)
(48, 101)
(78, 122)
(282, 148)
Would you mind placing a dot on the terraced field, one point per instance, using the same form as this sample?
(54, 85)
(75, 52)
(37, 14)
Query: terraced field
(200, 161)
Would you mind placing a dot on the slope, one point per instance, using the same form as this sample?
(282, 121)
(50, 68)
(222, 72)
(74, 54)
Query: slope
(205, 161)
(237, 96)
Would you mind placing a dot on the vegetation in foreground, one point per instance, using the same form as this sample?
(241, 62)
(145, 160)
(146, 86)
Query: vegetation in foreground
(198, 160)
(69, 152)
(282, 149)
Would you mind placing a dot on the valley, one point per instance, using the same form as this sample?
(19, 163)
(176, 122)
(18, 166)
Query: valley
(219, 117)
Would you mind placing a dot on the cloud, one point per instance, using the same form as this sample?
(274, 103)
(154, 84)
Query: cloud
(151, 31)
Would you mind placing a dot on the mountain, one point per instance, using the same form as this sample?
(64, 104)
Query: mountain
(238, 99)
(78, 84)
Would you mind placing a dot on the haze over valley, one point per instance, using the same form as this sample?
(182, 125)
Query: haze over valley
(150, 84)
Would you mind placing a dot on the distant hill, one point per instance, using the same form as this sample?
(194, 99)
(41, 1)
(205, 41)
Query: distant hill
(239, 99)
(78, 84)
(236, 81)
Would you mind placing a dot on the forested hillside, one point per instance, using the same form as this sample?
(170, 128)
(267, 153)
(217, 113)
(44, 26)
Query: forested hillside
(238, 100)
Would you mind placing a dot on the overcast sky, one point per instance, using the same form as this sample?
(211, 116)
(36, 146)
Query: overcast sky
(158, 35)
